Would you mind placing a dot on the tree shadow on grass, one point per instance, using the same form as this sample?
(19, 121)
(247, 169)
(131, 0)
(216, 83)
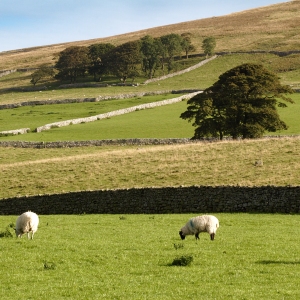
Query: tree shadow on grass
(278, 262)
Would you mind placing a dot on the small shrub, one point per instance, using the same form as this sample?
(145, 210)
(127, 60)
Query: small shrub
(184, 260)
(49, 265)
(178, 246)
(8, 232)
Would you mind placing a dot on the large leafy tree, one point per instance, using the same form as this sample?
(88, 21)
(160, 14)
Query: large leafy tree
(44, 71)
(72, 62)
(123, 60)
(150, 49)
(170, 45)
(208, 45)
(96, 53)
(186, 43)
(242, 104)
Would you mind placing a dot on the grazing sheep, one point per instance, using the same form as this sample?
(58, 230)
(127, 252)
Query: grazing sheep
(26, 223)
(205, 223)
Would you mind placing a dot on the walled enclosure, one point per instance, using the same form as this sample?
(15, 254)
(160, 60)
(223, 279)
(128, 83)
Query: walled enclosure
(194, 199)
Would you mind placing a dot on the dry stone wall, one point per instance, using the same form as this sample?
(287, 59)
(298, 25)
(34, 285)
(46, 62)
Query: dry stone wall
(194, 200)
(115, 113)
(6, 72)
(15, 132)
(183, 71)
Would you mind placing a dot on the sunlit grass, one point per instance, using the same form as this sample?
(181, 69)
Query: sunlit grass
(159, 122)
(48, 171)
(254, 256)
(39, 115)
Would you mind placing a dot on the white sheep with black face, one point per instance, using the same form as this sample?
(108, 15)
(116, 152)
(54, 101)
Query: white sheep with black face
(205, 223)
(27, 222)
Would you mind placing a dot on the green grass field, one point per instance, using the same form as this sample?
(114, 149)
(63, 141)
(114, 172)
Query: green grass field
(160, 122)
(39, 115)
(129, 257)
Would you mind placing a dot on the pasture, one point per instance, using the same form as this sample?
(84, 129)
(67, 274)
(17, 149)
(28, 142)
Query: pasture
(26, 171)
(159, 122)
(254, 256)
(39, 115)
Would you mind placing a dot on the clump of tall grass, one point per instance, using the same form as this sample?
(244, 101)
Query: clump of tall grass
(178, 246)
(49, 265)
(184, 260)
(7, 233)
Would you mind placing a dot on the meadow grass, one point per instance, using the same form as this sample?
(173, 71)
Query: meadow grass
(50, 171)
(254, 256)
(39, 115)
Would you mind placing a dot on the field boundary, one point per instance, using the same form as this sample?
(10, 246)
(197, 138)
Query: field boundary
(196, 66)
(165, 200)
(122, 142)
(115, 112)
(104, 115)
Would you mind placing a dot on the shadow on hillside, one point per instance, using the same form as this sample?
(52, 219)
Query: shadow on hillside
(278, 262)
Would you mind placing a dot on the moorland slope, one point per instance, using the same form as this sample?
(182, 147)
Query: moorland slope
(274, 27)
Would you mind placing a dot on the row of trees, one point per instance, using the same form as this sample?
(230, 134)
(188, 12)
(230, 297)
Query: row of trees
(242, 103)
(124, 61)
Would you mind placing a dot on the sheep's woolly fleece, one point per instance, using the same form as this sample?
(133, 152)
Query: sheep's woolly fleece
(27, 222)
(205, 223)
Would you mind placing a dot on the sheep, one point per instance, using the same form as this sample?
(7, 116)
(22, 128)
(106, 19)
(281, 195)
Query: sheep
(205, 223)
(26, 223)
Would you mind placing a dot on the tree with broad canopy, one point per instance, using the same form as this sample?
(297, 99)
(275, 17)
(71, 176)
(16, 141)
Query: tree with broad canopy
(123, 60)
(44, 71)
(72, 63)
(208, 45)
(241, 104)
(150, 51)
(96, 54)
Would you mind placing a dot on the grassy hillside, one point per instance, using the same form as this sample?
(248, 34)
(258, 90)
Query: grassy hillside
(46, 171)
(287, 68)
(274, 27)
(38, 171)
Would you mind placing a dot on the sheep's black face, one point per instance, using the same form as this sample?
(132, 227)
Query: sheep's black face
(181, 235)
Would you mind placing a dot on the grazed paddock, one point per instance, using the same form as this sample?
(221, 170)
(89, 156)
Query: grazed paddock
(253, 256)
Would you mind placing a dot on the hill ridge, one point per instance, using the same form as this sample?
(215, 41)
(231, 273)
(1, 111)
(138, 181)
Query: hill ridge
(272, 27)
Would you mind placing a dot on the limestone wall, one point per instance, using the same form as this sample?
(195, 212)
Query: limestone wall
(114, 113)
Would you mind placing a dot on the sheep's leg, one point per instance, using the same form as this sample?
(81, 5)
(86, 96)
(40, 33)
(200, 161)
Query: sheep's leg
(197, 236)
(212, 236)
